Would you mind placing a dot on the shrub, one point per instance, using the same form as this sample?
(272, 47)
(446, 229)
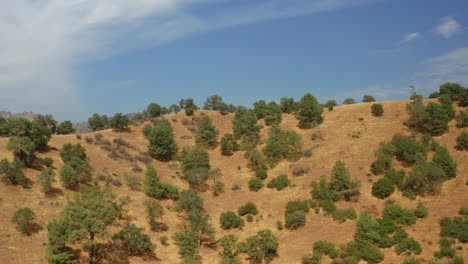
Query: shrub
(424, 179)
(283, 144)
(383, 188)
(341, 215)
(164, 240)
(446, 249)
(309, 112)
(244, 126)
(70, 151)
(377, 109)
(256, 160)
(197, 178)
(421, 211)
(156, 189)
(443, 159)
(325, 248)
(429, 142)
(328, 206)
(453, 90)
(295, 214)
(462, 119)
(228, 145)
(261, 247)
(230, 220)
(288, 105)
(162, 145)
(134, 240)
(261, 173)
(462, 141)
(399, 215)
(248, 208)
(341, 183)
(194, 158)
(408, 149)
(154, 212)
(456, 227)
(23, 218)
(395, 176)
(49, 162)
(12, 172)
(46, 178)
(255, 184)
(279, 182)
(206, 134)
(230, 249)
(133, 181)
(119, 122)
(217, 188)
(188, 245)
(408, 245)
(189, 201)
(411, 261)
(279, 225)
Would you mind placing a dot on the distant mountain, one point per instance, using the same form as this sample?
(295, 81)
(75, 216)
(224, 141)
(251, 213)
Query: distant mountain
(27, 115)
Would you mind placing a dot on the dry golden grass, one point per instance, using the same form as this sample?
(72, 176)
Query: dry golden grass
(338, 144)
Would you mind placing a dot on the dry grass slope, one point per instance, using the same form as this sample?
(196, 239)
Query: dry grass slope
(338, 144)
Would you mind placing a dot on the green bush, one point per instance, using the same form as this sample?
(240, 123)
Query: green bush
(245, 128)
(272, 114)
(395, 176)
(189, 201)
(261, 173)
(49, 162)
(162, 145)
(399, 215)
(134, 240)
(462, 141)
(383, 188)
(328, 206)
(255, 184)
(325, 248)
(228, 145)
(408, 149)
(194, 158)
(46, 178)
(248, 208)
(279, 182)
(342, 184)
(156, 189)
(261, 247)
(230, 220)
(421, 211)
(283, 144)
(348, 101)
(12, 172)
(411, 261)
(454, 90)
(23, 218)
(188, 244)
(408, 246)
(446, 249)
(377, 109)
(217, 188)
(443, 159)
(295, 214)
(119, 122)
(424, 179)
(429, 142)
(256, 160)
(462, 119)
(341, 215)
(456, 227)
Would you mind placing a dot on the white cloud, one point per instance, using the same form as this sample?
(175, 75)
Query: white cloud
(449, 67)
(411, 36)
(44, 40)
(447, 27)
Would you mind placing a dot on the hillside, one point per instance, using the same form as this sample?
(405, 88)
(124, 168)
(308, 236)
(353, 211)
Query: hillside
(338, 144)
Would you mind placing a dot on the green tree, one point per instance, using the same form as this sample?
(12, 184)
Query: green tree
(330, 104)
(348, 101)
(273, 114)
(228, 145)
(368, 99)
(194, 158)
(162, 145)
(153, 110)
(255, 184)
(245, 128)
(96, 122)
(189, 201)
(46, 121)
(70, 151)
(260, 108)
(154, 212)
(383, 188)
(134, 240)
(279, 183)
(462, 141)
(12, 172)
(248, 208)
(377, 109)
(462, 119)
(288, 105)
(309, 112)
(46, 178)
(230, 220)
(341, 183)
(438, 118)
(417, 113)
(198, 223)
(424, 179)
(188, 245)
(174, 108)
(214, 103)
(261, 247)
(188, 104)
(23, 218)
(283, 144)
(65, 128)
(23, 148)
(443, 159)
(89, 215)
(229, 243)
(454, 90)
(421, 211)
(156, 189)
(206, 134)
(119, 122)
(57, 251)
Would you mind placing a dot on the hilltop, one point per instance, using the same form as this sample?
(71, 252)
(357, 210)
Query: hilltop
(350, 133)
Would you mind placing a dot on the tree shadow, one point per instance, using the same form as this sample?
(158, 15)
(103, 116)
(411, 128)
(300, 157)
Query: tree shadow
(35, 228)
(54, 192)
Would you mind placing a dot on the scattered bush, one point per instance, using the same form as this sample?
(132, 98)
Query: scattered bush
(377, 109)
(255, 184)
(279, 182)
(156, 189)
(446, 249)
(154, 212)
(230, 220)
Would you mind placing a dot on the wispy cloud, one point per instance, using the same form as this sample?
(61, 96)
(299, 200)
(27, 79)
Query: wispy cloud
(449, 67)
(447, 27)
(43, 41)
(411, 36)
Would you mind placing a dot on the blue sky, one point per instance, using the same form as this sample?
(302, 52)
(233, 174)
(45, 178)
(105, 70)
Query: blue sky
(72, 58)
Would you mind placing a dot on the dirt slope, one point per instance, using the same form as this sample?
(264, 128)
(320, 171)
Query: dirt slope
(338, 144)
